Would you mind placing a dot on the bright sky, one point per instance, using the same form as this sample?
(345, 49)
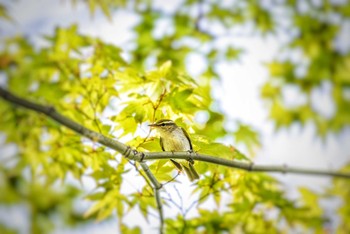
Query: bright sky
(238, 95)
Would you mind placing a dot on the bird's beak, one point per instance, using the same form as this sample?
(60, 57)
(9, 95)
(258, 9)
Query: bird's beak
(152, 125)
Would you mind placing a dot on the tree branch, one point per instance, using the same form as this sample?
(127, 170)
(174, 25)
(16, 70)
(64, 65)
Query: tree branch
(53, 114)
(143, 156)
(140, 156)
(241, 165)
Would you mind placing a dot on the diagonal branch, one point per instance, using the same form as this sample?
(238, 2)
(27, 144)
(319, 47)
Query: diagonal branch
(53, 114)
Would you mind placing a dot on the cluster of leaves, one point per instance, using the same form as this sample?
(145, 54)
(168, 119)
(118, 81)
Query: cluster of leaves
(85, 79)
(254, 204)
(320, 61)
(42, 200)
(312, 64)
(313, 59)
(80, 76)
(185, 32)
(48, 151)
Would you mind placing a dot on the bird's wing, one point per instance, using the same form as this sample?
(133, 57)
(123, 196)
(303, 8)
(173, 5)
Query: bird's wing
(161, 144)
(188, 138)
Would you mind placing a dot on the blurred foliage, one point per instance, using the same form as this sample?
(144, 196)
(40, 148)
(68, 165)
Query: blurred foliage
(3, 13)
(341, 189)
(311, 58)
(87, 80)
(42, 201)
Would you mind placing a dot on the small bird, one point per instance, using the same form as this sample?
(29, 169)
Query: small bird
(175, 138)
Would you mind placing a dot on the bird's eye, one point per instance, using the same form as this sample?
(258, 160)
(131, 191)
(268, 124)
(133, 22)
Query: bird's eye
(163, 124)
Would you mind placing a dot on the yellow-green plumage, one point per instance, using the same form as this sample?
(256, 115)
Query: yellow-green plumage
(174, 138)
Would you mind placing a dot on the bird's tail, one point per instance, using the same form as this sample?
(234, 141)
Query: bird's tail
(194, 174)
(189, 170)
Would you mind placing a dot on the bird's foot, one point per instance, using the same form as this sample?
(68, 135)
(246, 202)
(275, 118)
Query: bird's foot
(190, 159)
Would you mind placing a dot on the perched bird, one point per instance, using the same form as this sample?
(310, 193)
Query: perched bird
(175, 138)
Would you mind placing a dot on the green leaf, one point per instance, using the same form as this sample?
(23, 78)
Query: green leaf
(244, 134)
(4, 14)
(127, 230)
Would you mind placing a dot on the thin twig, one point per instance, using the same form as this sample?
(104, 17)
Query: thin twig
(172, 179)
(171, 200)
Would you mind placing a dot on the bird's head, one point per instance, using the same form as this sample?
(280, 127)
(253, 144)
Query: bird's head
(164, 126)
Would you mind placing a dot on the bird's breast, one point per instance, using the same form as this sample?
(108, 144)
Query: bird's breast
(176, 143)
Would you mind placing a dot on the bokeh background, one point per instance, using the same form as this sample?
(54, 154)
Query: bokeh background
(237, 91)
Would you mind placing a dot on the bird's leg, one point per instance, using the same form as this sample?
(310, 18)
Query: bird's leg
(190, 159)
